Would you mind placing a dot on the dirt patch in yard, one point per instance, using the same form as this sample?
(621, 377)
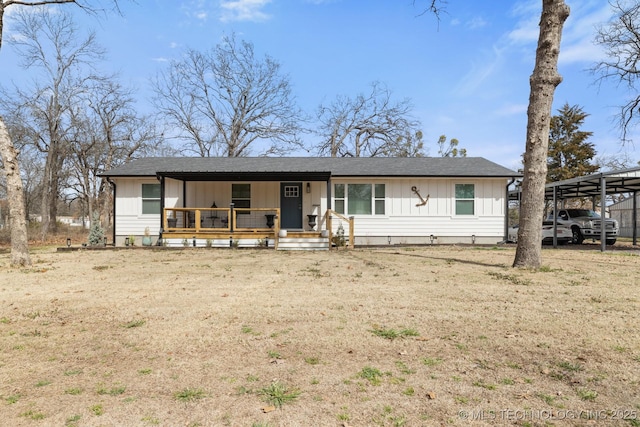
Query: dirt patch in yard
(426, 336)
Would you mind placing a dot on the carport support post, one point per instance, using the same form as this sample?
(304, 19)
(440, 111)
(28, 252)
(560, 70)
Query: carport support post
(603, 201)
(634, 218)
(555, 217)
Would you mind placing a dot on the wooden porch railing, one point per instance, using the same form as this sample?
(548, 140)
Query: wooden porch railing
(220, 219)
(335, 239)
(212, 222)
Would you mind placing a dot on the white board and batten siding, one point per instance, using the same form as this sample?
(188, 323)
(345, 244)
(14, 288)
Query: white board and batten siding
(406, 223)
(403, 221)
(129, 218)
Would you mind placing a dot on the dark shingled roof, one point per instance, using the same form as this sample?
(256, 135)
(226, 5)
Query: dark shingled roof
(309, 168)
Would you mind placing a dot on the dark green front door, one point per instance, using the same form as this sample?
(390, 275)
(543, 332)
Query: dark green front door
(291, 205)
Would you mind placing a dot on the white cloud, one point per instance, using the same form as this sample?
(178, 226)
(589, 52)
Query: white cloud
(479, 72)
(244, 10)
(322, 1)
(476, 22)
(580, 30)
(196, 9)
(526, 30)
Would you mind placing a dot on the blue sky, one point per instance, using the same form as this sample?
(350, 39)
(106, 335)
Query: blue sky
(467, 74)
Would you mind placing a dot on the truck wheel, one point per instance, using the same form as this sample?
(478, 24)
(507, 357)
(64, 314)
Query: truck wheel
(611, 241)
(578, 238)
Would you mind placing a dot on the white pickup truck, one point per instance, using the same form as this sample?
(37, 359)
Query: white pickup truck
(585, 224)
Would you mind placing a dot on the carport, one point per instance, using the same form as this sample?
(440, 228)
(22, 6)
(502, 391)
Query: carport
(599, 184)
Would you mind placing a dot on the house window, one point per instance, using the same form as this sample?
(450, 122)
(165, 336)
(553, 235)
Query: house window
(465, 199)
(379, 198)
(359, 199)
(241, 195)
(339, 198)
(150, 199)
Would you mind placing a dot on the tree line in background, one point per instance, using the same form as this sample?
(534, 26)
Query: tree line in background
(73, 122)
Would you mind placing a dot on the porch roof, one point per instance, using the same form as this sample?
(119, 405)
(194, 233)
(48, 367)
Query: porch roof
(308, 168)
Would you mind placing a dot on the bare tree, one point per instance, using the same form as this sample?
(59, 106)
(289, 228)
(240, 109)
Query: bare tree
(411, 145)
(613, 162)
(370, 125)
(543, 81)
(226, 101)
(450, 149)
(50, 43)
(621, 40)
(107, 132)
(17, 123)
(434, 6)
(17, 221)
(9, 154)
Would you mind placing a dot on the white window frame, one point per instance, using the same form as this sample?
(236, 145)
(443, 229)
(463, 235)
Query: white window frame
(456, 199)
(149, 199)
(374, 199)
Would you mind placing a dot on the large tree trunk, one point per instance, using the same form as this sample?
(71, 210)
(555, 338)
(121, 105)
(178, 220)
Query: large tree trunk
(15, 195)
(44, 199)
(544, 80)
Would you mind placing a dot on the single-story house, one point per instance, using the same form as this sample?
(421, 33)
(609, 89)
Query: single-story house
(295, 202)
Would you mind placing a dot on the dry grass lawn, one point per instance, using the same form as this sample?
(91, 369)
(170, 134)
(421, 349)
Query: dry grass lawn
(425, 336)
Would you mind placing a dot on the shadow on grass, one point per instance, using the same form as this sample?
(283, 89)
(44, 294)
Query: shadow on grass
(445, 259)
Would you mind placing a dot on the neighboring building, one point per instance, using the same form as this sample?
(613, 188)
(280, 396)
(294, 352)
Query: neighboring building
(623, 212)
(73, 221)
(391, 200)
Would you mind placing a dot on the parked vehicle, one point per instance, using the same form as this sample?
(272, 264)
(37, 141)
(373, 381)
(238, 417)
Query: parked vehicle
(585, 224)
(564, 234)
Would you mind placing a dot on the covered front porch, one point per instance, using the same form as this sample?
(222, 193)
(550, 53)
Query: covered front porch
(252, 227)
(248, 208)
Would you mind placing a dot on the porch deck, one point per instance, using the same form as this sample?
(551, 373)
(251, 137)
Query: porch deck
(242, 227)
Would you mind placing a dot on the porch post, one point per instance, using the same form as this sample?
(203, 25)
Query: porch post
(184, 194)
(231, 205)
(113, 215)
(161, 209)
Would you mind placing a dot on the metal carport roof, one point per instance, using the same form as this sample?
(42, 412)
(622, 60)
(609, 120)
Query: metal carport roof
(598, 184)
(613, 182)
